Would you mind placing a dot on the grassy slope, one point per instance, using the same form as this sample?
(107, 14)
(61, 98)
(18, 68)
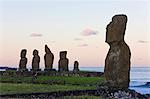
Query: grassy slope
(55, 80)
(82, 97)
(9, 88)
(47, 84)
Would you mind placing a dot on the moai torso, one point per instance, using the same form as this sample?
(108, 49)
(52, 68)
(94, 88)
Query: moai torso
(35, 60)
(63, 62)
(48, 58)
(23, 60)
(117, 62)
(76, 66)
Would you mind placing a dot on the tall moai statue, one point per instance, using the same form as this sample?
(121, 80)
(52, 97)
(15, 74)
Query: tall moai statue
(76, 66)
(63, 62)
(117, 62)
(35, 61)
(48, 59)
(23, 60)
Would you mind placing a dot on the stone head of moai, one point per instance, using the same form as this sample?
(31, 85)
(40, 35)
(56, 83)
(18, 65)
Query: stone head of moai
(47, 50)
(63, 54)
(115, 30)
(23, 53)
(35, 52)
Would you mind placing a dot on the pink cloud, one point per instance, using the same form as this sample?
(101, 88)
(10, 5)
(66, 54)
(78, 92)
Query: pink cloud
(142, 41)
(89, 32)
(83, 45)
(78, 39)
(36, 35)
(52, 41)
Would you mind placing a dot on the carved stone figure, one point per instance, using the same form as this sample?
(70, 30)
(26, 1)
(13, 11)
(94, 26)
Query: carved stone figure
(117, 62)
(23, 60)
(63, 61)
(35, 61)
(76, 66)
(48, 59)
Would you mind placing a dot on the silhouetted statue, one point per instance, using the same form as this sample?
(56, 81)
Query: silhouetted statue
(76, 66)
(63, 61)
(117, 62)
(48, 58)
(23, 60)
(35, 61)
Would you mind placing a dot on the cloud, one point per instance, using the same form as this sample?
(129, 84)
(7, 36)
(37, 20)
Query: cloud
(89, 32)
(83, 45)
(52, 41)
(36, 35)
(78, 39)
(142, 41)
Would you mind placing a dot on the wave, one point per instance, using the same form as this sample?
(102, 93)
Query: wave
(140, 84)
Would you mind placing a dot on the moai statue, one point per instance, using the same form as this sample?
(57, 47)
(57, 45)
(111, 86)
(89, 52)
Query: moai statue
(117, 62)
(48, 59)
(63, 62)
(23, 60)
(35, 61)
(76, 66)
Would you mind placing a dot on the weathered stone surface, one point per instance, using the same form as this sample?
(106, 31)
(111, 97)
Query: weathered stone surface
(63, 61)
(102, 92)
(117, 62)
(76, 66)
(35, 61)
(23, 60)
(48, 58)
(115, 30)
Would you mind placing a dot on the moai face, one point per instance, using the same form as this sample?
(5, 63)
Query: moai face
(63, 54)
(115, 30)
(23, 53)
(47, 50)
(35, 52)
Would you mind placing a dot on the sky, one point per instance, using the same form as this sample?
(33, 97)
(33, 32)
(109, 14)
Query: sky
(75, 26)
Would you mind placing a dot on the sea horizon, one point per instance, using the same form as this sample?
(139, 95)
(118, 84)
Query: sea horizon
(106, 40)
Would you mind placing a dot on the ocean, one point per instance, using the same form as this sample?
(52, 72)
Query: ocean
(139, 77)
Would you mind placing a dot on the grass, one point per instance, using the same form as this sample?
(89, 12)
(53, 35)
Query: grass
(14, 85)
(62, 80)
(9, 88)
(82, 97)
(70, 80)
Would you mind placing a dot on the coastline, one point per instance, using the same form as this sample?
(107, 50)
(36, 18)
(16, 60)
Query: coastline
(137, 84)
(102, 91)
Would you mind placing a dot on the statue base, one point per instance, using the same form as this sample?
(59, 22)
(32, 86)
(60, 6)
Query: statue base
(22, 70)
(35, 69)
(76, 70)
(49, 69)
